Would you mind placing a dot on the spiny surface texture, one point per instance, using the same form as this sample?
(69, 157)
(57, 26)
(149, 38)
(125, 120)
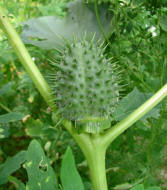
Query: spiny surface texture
(86, 82)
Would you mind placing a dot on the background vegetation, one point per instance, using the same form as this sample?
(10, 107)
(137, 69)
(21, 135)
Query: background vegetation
(138, 44)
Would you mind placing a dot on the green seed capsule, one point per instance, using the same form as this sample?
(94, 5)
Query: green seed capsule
(86, 85)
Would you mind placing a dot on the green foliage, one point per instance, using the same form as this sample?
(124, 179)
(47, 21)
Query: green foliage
(4, 131)
(39, 171)
(5, 89)
(11, 117)
(54, 8)
(138, 187)
(40, 174)
(75, 22)
(36, 128)
(99, 1)
(137, 156)
(131, 102)
(11, 165)
(141, 187)
(69, 176)
(153, 188)
(163, 22)
(18, 184)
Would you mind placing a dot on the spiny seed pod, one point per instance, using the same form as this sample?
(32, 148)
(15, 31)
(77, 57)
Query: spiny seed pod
(85, 85)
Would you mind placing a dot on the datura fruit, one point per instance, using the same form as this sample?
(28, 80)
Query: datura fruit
(86, 85)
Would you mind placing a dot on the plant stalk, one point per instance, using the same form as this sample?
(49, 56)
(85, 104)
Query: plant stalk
(94, 152)
(5, 108)
(96, 163)
(120, 127)
(25, 58)
(99, 22)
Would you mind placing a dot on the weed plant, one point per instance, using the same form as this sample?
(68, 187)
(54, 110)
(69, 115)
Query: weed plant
(32, 132)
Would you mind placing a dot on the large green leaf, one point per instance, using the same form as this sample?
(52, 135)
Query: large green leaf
(70, 177)
(47, 32)
(40, 173)
(11, 165)
(11, 117)
(138, 187)
(163, 22)
(131, 102)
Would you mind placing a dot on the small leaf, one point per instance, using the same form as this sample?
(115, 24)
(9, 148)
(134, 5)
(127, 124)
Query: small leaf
(123, 186)
(69, 176)
(131, 102)
(40, 173)
(35, 128)
(11, 117)
(11, 165)
(18, 184)
(138, 187)
(163, 22)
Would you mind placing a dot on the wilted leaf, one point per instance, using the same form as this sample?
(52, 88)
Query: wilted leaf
(11, 117)
(131, 102)
(47, 32)
(40, 173)
(11, 165)
(70, 177)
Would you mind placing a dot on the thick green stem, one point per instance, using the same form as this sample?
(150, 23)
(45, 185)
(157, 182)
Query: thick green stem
(25, 58)
(97, 170)
(96, 163)
(94, 151)
(120, 127)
